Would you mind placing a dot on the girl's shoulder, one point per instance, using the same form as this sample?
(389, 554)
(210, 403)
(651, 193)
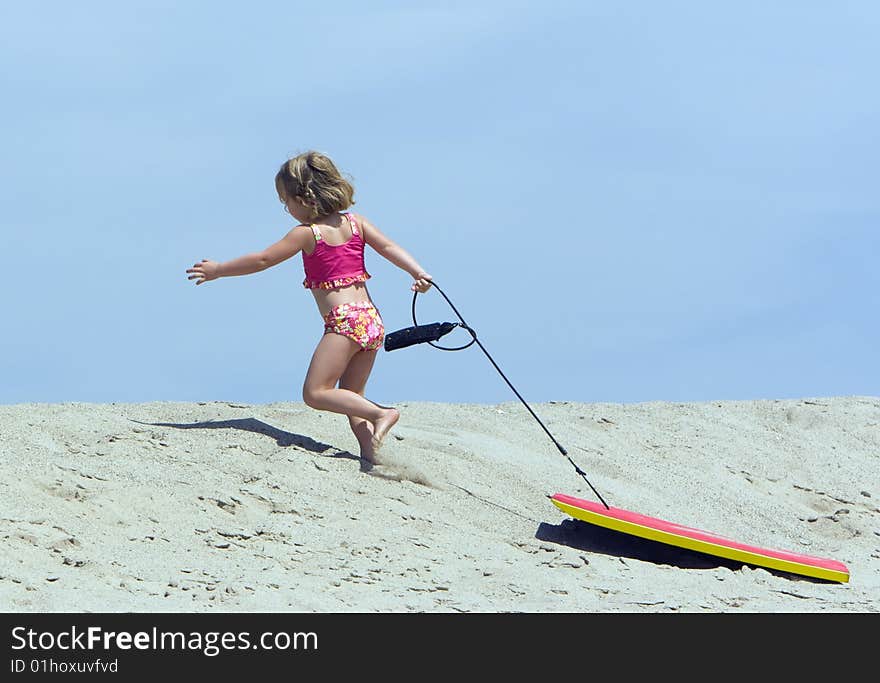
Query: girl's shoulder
(302, 233)
(361, 221)
(357, 221)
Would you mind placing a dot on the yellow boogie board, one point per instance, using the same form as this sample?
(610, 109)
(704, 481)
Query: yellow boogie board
(655, 529)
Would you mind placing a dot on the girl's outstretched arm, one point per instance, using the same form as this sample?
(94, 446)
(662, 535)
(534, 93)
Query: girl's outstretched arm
(399, 256)
(289, 245)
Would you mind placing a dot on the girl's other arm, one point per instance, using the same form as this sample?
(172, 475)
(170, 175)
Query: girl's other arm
(399, 256)
(289, 245)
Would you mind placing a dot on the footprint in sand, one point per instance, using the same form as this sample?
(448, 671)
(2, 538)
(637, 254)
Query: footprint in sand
(393, 470)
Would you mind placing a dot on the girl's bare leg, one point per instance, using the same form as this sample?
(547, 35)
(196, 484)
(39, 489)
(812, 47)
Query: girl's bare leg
(355, 379)
(329, 363)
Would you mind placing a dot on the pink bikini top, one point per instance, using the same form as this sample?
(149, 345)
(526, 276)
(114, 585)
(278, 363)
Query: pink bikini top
(332, 266)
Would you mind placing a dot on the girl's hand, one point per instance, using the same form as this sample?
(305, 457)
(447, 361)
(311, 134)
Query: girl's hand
(422, 283)
(204, 271)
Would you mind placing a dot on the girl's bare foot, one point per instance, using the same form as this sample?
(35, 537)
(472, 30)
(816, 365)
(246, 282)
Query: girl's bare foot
(382, 426)
(365, 441)
(363, 431)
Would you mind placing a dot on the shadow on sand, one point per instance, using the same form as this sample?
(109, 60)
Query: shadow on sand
(282, 438)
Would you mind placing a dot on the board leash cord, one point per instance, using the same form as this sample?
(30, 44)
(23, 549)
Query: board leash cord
(430, 333)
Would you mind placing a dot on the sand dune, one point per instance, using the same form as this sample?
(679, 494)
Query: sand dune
(184, 507)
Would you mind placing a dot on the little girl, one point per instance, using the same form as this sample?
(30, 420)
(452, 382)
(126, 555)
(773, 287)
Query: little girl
(332, 244)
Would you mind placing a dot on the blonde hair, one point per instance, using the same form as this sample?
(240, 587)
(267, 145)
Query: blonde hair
(314, 178)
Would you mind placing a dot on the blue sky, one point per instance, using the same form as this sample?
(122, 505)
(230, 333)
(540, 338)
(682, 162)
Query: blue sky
(628, 201)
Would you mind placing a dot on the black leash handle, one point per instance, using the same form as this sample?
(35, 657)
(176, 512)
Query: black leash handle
(476, 341)
(462, 324)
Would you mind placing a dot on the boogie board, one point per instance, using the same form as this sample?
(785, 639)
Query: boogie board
(655, 529)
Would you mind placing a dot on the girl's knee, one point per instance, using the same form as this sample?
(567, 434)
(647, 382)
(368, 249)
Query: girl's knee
(311, 396)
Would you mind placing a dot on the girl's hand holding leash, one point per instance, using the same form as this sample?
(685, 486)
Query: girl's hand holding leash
(204, 271)
(422, 283)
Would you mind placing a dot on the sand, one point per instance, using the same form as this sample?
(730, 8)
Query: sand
(218, 506)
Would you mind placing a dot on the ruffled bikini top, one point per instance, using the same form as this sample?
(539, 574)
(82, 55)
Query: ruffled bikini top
(332, 266)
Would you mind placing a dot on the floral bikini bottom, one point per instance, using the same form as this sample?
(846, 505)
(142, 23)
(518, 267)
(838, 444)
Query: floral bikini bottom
(359, 321)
